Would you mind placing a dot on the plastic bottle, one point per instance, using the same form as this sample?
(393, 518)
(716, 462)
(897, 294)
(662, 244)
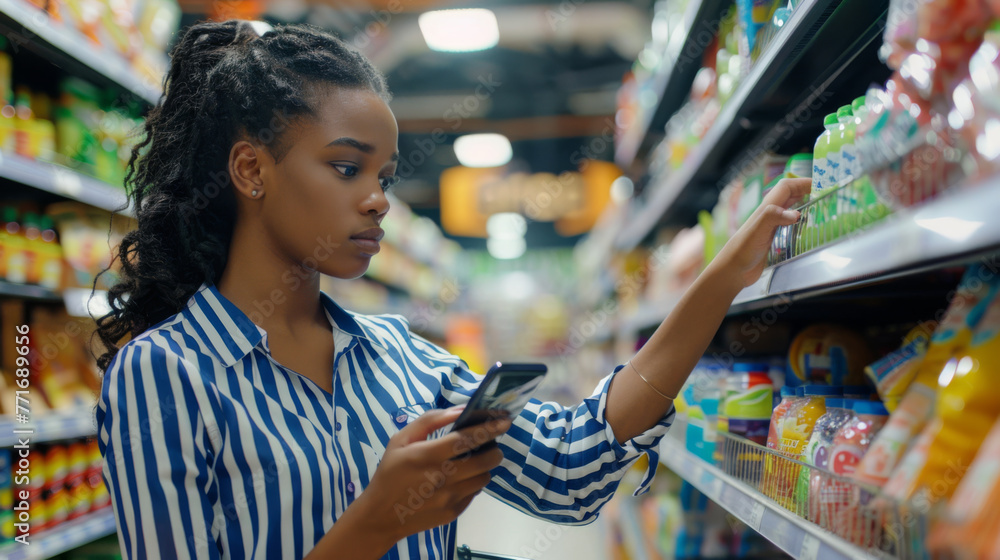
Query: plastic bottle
(14, 248)
(748, 402)
(917, 406)
(799, 166)
(847, 202)
(23, 123)
(822, 180)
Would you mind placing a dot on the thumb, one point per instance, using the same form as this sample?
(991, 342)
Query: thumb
(419, 429)
(774, 215)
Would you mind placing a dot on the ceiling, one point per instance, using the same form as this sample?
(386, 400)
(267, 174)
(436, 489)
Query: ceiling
(549, 85)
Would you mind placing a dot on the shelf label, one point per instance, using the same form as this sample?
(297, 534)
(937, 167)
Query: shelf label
(696, 474)
(756, 516)
(810, 548)
(715, 490)
(67, 182)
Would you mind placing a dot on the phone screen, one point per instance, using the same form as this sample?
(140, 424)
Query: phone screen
(504, 391)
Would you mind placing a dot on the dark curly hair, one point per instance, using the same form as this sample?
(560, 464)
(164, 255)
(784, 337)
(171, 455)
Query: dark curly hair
(226, 83)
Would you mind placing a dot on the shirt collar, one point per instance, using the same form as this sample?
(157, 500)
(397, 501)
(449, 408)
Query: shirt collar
(231, 335)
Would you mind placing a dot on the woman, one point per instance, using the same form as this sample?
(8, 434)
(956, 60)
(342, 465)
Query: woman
(250, 415)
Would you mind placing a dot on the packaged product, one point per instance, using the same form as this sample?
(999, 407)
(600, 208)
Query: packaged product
(917, 406)
(976, 112)
(6, 497)
(829, 355)
(893, 373)
(812, 482)
(771, 464)
(748, 401)
(849, 446)
(795, 434)
(964, 413)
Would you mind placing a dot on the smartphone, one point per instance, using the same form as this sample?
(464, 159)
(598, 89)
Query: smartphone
(503, 393)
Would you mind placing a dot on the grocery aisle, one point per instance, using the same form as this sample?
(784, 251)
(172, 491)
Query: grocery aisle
(562, 174)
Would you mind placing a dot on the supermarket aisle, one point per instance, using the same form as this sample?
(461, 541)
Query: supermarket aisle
(489, 525)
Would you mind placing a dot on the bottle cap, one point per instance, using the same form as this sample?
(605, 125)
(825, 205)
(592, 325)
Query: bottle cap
(787, 391)
(859, 390)
(835, 402)
(858, 103)
(830, 120)
(800, 391)
(822, 391)
(844, 112)
(869, 407)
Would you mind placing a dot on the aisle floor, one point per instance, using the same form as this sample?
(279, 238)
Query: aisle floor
(490, 525)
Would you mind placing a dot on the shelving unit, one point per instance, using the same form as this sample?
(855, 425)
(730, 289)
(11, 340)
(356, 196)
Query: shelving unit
(821, 44)
(29, 292)
(670, 84)
(31, 28)
(66, 536)
(62, 181)
(51, 426)
(794, 535)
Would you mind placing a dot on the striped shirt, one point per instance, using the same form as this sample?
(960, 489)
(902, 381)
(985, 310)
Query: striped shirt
(212, 449)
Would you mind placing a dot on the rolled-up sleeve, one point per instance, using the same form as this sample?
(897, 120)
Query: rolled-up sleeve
(157, 455)
(561, 463)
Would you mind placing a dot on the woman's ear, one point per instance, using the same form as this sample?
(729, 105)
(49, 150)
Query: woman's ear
(245, 162)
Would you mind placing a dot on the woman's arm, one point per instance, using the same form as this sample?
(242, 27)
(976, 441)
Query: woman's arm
(679, 342)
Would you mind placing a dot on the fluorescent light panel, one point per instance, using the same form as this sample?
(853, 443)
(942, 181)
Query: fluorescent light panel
(462, 30)
(483, 150)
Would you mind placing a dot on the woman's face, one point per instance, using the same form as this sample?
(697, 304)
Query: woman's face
(324, 200)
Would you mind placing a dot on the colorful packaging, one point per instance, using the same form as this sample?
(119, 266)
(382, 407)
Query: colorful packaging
(917, 406)
(748, 402)
(817, 453)
(893, 373)
(788, 400)
(849, 446)
(6, 497)
(795, 434)
(829, 355)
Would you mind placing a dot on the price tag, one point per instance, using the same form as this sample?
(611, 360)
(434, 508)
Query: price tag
(67, 182)
(696, 473)
(810, 548)
(756, 516)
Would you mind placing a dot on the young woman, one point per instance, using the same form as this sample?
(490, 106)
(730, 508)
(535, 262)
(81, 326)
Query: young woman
(250, 415)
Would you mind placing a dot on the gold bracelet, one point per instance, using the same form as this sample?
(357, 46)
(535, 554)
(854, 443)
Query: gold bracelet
(641, 376)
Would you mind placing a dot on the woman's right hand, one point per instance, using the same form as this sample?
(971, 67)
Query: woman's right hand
(421, 484)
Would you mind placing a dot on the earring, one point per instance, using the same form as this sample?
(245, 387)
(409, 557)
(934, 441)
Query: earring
(254, 193)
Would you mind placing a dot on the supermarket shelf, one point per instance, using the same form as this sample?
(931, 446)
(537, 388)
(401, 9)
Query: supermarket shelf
(954, 229)
(26, 291)
(52, 426)
(816, 46)
(61, 181)
(671, 83)
(65, 536)
(27, 26)
(794, 535)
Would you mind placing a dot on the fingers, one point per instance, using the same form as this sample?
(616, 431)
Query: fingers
(477, 464)
(467, 439)
(788, 192)
(423, 426)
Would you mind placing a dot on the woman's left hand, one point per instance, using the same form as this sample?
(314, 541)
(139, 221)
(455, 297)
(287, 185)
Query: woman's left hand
(745, 254)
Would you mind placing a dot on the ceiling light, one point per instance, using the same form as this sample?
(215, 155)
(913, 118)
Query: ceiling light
(506, 248)
(459, 30)
(483, 150)
(506, 225)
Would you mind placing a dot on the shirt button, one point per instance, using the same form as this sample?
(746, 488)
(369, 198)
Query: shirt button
(350, 487)
(401, 419)
(338, 426)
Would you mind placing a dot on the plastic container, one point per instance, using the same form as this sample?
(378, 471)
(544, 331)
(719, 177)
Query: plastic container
(795, 433)
(847, 203)
(14, 248)
(748, 402)
(788, 401)
(839, 504)
(799, 166)
(820, 170)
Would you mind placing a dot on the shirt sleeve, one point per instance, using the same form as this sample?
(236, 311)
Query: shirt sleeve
(561, 464)
(157, 455)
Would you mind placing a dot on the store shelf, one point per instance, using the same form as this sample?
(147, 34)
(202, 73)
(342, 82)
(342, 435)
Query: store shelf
(61, 181)
(66, 536)
(671, 83)
(26, 26)
(50, 426)
(817, 46)
(26, 291)
(794, 535)
(958, 227)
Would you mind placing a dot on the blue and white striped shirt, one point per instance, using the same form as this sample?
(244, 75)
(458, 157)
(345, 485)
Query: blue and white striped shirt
(214, 450)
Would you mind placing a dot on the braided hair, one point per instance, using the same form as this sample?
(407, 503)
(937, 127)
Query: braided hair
(226, 83)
